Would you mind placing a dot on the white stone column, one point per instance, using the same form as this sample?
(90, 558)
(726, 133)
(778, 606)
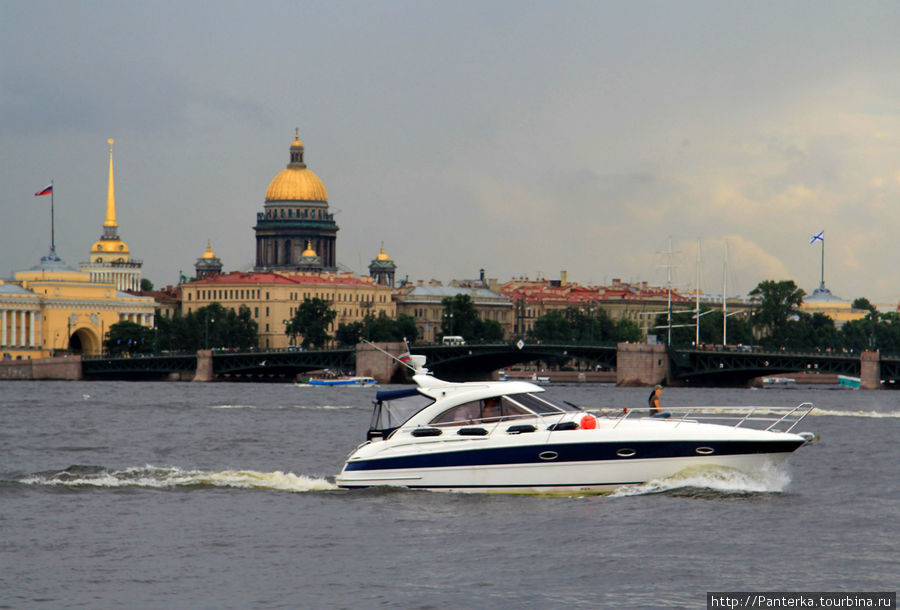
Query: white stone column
(31, 328)
(17, 327)
(2, 327)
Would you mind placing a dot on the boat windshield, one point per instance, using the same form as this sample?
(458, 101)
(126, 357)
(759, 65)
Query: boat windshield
(501, 408)
(542, 405)
(393, 409)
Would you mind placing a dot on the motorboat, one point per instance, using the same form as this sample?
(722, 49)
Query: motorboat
(344, 381)
(330, 378)
(508, 436)
(846, 381)
(778, 380)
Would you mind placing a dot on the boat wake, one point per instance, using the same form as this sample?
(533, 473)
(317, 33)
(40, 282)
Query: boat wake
(873, 414)
(155, 477)
(815, 412)
(712, 482)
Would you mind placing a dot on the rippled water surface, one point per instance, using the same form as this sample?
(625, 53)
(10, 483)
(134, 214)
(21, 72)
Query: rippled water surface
(177, 495)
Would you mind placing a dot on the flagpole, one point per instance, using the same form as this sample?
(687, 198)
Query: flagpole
(52, 220)
(822, 279)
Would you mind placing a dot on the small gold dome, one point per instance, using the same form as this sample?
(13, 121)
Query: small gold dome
(382, 256)
(309, 250)
(296, 184)
(109, 246)
(209, 253)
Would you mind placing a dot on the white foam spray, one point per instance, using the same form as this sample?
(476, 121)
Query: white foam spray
(769, 479)
(155, 477)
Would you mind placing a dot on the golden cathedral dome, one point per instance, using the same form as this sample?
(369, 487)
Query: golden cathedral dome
(382, 256)
(209, 253)
(296, 182)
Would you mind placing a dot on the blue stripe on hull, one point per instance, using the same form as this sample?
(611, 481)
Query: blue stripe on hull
(573, 452)
(500, 486)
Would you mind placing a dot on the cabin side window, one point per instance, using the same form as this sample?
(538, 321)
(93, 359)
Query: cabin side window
(489, 410)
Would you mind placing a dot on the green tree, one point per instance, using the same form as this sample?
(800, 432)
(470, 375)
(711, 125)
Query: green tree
(863, 303)
(406, 328)
(459, 317)
(489, 331)
(146, 285)
(212, 326)
(778, 302)
(349, 333)
(627, 330)
(129, 337)
(816, 331)
(311, 321)
(552, 327)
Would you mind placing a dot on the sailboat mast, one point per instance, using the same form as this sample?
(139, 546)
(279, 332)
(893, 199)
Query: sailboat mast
(725, 298)
(669, 291)
(697, 294)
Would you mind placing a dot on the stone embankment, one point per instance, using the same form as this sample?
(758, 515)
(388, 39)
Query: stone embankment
(67, 368)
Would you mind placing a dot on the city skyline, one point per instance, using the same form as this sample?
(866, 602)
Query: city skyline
(521, 138)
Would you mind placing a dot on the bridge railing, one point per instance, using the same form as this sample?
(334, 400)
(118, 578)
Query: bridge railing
(759, 350)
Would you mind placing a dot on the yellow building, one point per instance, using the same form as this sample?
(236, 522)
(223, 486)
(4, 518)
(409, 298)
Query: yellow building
(52, 309)
(273, 298)
(836, 308)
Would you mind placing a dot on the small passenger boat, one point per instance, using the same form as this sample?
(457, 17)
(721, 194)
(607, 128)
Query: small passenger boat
(330, 378)
(509, 437)
(846, 381)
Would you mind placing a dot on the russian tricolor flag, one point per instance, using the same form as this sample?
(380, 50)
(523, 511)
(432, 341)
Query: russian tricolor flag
(46, 191)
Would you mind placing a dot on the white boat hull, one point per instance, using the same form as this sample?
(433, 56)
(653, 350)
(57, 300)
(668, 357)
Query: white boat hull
(534, 474)
(590, 477)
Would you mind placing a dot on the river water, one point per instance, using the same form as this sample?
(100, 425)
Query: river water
(180, 495)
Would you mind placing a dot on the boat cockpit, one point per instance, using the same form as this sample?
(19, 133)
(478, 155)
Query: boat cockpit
(394, 408)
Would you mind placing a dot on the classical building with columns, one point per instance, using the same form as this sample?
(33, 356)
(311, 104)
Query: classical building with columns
(295, 219)
(110, 258)
(52, 308)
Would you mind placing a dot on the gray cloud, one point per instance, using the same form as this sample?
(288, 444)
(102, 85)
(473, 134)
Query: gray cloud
(522, 137)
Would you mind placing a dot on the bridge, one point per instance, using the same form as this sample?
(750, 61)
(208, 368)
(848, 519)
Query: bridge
(722, 366)
(737, 366)
(220, 364)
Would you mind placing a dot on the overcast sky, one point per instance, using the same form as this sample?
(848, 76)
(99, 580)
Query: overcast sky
(524, 138)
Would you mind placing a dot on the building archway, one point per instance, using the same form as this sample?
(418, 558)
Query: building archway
(84, 341)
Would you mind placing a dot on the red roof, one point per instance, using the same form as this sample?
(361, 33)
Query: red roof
(541, 291)
(267, 277)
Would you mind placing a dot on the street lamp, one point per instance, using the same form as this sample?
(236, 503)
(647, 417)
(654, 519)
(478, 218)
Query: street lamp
(291, 337)
(206, 322)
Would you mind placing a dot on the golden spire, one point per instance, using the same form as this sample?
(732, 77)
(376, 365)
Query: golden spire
(382, 256)
(111, 192)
